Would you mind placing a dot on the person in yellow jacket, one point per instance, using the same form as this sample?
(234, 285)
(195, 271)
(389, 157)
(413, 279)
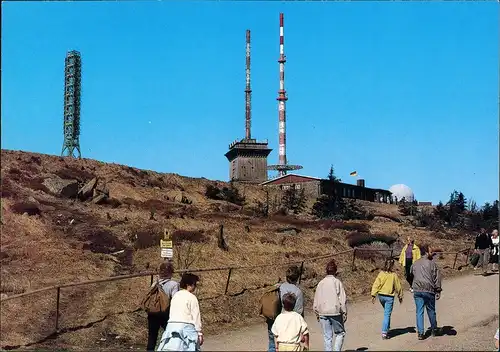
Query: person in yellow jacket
(386, 286)
(409, 255)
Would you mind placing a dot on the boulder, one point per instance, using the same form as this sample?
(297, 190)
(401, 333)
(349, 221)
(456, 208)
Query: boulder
(100, 199)
(60, 187)
(87, 190)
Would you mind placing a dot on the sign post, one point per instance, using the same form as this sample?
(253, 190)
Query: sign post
(166, 246)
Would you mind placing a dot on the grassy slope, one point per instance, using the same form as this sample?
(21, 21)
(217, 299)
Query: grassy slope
(45, 249)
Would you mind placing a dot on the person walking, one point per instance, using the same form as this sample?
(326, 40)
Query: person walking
(290, 328)
(290, 286)
(497, 345)
(482, 246)
(330, 307)
(159, 320)
(409, 255)
(426, 290)
(386, 286)
(183, 331)
(494, 249)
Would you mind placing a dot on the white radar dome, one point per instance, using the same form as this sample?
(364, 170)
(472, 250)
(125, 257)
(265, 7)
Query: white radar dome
(402, 191)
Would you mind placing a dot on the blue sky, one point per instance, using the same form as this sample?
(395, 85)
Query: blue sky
(402, 92)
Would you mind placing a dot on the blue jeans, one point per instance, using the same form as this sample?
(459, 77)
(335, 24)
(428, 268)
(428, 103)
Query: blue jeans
(388, 303)
(333, 325)
(272, 346)
(427, 300)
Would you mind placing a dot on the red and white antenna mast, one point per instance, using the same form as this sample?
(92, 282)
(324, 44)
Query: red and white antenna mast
(248, 92)
(282, 166)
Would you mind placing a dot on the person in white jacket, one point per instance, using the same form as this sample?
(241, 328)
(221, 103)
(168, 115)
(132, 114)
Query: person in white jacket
(183, 331)
(330, 307)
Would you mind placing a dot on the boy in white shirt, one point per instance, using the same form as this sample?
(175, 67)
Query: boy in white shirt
(290, 328)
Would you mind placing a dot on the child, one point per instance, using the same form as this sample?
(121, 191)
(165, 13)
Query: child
(386, 286)
(290, 328)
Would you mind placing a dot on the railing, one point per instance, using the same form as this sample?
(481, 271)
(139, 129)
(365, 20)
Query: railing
(230, 270)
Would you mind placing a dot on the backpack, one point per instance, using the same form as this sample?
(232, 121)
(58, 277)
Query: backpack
(474, 259)
(270, 303)
(156, 301)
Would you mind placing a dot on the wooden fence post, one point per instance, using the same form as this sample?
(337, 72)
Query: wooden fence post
(301, 271)
(455, 261)
(353, 258)
(228, 278)
(57, 308)
(467, 256)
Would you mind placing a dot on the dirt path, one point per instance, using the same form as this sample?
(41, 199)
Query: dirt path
(468, 309)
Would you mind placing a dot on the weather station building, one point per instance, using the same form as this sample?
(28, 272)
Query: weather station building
(314, 187)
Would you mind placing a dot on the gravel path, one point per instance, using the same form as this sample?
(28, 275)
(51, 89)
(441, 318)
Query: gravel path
(467, 311)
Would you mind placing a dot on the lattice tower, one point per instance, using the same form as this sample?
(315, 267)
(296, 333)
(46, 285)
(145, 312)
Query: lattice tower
(72, 99)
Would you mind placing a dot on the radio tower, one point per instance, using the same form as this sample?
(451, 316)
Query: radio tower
(248, 157)
(72, 92)
(248, 91)
(282, 166)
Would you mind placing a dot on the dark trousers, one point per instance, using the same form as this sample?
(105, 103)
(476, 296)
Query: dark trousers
(155, 322)
(408, 274)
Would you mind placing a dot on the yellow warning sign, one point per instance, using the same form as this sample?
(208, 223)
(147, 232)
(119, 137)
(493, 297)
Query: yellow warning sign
(166, 244)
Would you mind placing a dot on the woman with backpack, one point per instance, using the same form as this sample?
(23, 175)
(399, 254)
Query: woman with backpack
(386, 286)
(183, 331)
(159, 319)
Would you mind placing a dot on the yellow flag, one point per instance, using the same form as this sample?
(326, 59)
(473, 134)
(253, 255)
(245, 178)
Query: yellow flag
(354, 173)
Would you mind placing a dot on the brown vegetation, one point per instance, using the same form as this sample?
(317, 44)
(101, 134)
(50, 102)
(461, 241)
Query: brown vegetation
(70, 240)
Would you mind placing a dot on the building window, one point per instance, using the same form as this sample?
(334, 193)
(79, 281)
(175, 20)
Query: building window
(297, 186)
(285, 187)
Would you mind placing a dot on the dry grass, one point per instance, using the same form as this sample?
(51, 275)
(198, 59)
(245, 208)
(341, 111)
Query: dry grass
(71, 241)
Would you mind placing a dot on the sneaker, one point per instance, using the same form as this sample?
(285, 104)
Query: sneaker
(385, 337)
(421, 337)
(434, 332)
(411, 290)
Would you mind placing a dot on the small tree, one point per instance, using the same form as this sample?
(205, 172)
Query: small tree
(441, 212)
(407, 208)
(329, 205)
(293, 200)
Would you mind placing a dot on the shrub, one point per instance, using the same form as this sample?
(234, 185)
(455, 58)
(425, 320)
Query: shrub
(112, 202)
(26, 207)
(374, 250)
(197, 236)
(147, 238)
(213, 192)
(101, 241)
(36, 159)
(229, 194)
(356, 239)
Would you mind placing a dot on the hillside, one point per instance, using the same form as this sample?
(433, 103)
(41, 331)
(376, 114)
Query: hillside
(52, 236)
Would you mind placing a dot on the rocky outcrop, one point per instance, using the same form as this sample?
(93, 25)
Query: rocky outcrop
(87, 190)
(62, 188)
